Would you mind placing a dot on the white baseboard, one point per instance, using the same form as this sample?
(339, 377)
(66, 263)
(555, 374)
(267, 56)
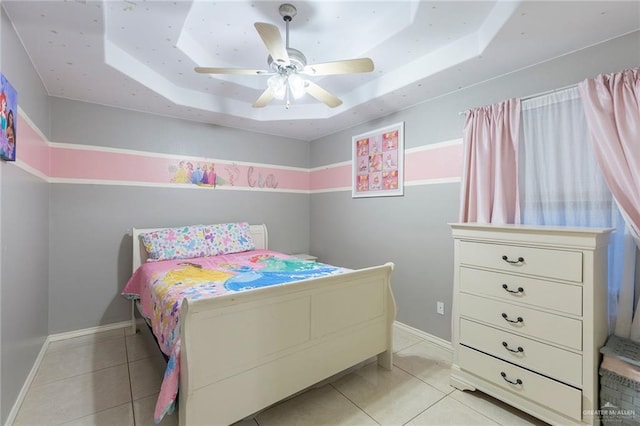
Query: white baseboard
(445, 344)
(27, 383)
(36, 365)
(87, 331)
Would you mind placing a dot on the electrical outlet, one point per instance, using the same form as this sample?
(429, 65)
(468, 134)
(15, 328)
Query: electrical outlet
(440, 308)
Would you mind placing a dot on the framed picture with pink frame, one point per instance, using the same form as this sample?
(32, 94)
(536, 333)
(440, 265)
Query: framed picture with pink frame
(378, 162)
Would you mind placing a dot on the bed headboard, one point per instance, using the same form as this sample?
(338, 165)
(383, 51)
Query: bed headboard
(259, 233)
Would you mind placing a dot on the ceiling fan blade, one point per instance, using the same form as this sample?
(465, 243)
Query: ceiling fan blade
(264, 99)
(273, 41)
(349, 66)
(237, 71)
(322, 95)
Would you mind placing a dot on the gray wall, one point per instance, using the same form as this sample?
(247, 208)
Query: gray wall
(90, 248)
(353, 232)
(90, 124)
(91, 251)
(24, 217)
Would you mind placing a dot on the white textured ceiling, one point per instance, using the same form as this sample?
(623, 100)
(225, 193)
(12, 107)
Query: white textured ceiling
(140, 55)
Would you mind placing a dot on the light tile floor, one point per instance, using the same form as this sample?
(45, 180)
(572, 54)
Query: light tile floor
(112, 379)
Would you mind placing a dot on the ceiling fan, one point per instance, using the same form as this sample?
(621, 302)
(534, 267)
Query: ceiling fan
(287, 65)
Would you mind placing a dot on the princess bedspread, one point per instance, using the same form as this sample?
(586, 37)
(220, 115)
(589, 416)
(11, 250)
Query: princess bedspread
(162, 285)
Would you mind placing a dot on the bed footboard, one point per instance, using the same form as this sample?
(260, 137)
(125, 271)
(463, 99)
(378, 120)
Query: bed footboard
(245, 351)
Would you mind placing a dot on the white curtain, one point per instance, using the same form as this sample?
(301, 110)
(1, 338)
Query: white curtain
(560, 183)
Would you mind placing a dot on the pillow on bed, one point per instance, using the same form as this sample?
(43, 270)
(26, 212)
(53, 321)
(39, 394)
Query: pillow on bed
(226, 238)
(185, 242)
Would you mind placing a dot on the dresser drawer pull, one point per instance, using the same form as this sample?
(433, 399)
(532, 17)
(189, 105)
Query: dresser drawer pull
(504, 376)
(506, 318)
(513, 262)
(506, 346)
(518, 291)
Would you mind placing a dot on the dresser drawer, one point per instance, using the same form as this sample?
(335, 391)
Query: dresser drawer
(535, 387)
(546, 359)
(559, 264)
(513, 288)
(526, 321)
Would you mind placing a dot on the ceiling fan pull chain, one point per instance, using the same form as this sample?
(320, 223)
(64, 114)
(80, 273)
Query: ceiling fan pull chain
(287, 95)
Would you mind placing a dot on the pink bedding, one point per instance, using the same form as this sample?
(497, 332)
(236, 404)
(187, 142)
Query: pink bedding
(161, 287)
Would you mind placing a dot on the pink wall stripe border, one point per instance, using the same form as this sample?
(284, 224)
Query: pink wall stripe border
(431, 164)
(73, 163)
(428, 164)
(88, 164)
(31, 147)
(331, 178)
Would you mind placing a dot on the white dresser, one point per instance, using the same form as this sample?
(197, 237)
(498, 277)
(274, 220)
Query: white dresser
(530, 315)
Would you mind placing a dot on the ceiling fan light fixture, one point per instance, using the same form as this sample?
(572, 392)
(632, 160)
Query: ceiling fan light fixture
(278, 86)
(296, 85)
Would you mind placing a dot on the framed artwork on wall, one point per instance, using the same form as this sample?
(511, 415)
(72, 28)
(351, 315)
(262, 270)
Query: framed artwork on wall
(8, 116)
(378, 162)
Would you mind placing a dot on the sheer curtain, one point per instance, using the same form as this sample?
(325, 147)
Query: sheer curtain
(489, 192)
(560, 183)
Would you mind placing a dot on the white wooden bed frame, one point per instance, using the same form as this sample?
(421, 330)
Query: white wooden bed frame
(242, 352)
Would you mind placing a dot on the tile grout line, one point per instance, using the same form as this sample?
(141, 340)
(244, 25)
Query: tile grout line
(39, 385)
(49, 350)
(445, 395)
(356, 405)
(478, 411)
(426, 409)
(91, 414)
(400, 368)
(126, 351)
(73, 376)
